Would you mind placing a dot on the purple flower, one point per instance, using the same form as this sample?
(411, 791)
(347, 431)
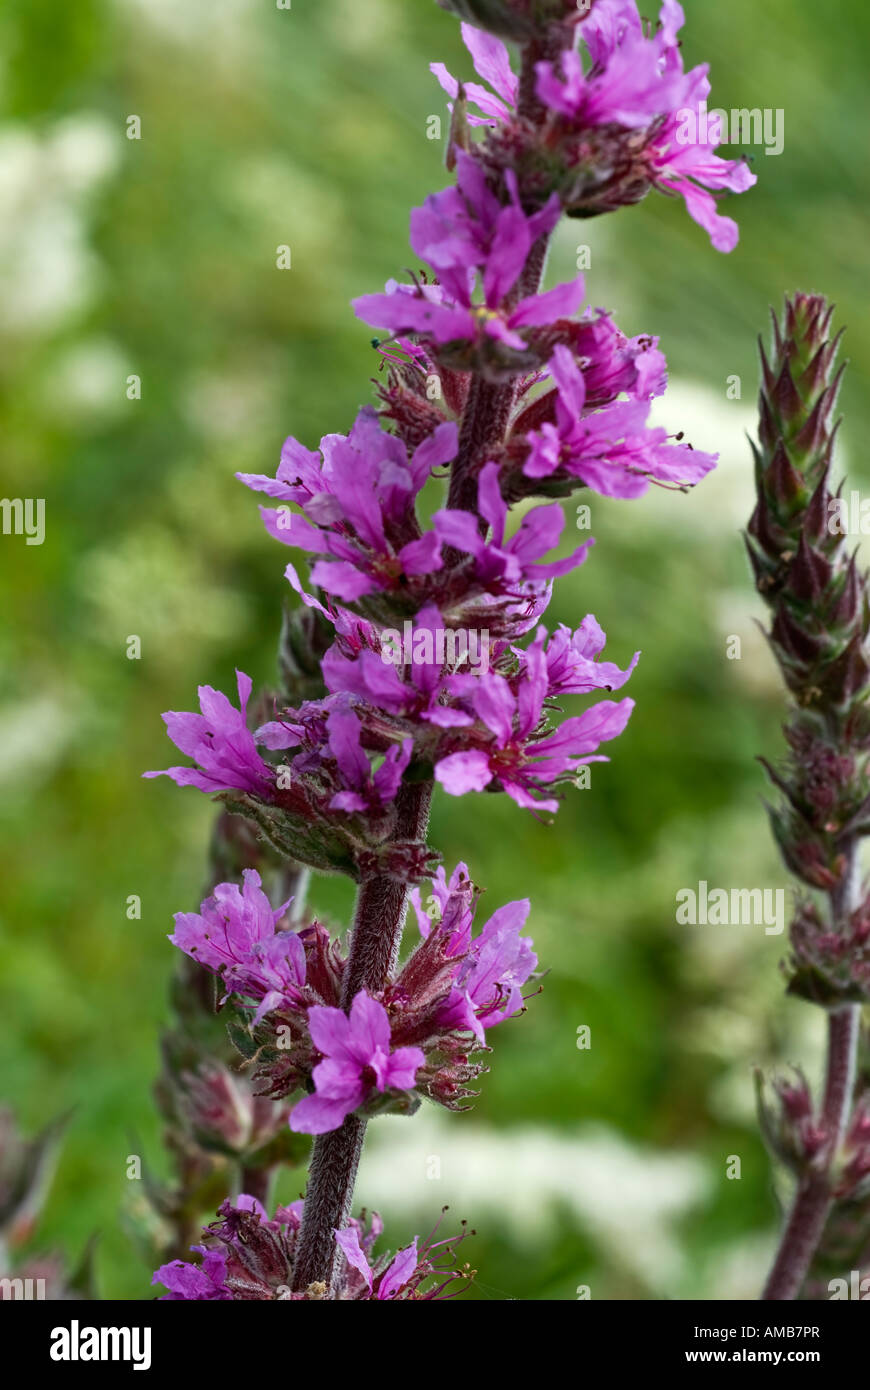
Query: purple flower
(515, 560)
(234, 935)
(333, 766)
(366, 788)
(489, 980)
(189, 1283)
(572, 667)
(610, 450)
(491, 62)
(358, 1059)
(374, 676)
(459, 232)
(635, 82)
(634, 78)
(613, 364)
(512, 756)
(251, 1257)
(453, 908)
(358, 500)
(429, 311)
(393, 1279)
(681, 158)
(491, 968)
(638, 82)
(218, 740)
(247, 1257)
(466, 228)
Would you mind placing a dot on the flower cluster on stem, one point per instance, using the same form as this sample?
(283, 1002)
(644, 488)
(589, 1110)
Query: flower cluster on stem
(436, 664)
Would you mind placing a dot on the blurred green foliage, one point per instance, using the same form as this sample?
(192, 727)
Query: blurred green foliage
(156, 258)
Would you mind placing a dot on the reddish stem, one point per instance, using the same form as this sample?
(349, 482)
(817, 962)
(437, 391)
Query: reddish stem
(375, 939)
(814, 1199)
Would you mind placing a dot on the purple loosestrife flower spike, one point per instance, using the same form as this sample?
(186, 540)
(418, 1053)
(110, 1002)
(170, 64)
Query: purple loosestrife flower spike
(536, 398)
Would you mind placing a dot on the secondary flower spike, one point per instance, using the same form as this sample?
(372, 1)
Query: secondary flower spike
(807, 574)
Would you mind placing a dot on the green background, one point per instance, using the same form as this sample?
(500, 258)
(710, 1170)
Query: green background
(156, 257)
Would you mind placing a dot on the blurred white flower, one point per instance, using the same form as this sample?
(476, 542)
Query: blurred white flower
(221, 405)
(359, 28)
(132, 585)
(34, 734)
(217, 23)
(723, 502)
(87, 380)
(626, 1198)
(47, 269)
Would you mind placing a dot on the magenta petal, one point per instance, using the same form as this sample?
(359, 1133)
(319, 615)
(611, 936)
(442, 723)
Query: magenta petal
(368, 678)
(276, 735)
(317, 1115)
(585, 732)
(491, 504)
(491, 62)
(292, 577)
(422, 556)
(701, 206)
(369, 1025)
(388, 777)
(446, 718)
(330, 1030)
(458, 529)
(538, 310)
(539, 532)
(399, 1272)
(342, 579)
(347, 801)
(438, 448)
(409, 313)
(288, 528)
(448, 82)
(495, 705)
(348, 1242)
(524, 798)
(245, 1202)
(344, 743)
(510, 917)
(464, 772)
(273, 487)
(507, 256)
(569, 380)
(558, 567)
(402, 1067)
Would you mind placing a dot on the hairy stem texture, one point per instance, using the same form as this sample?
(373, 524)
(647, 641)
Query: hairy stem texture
(375, 939)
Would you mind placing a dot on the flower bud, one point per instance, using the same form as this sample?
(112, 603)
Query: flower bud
(789, 1125)
(510, 19)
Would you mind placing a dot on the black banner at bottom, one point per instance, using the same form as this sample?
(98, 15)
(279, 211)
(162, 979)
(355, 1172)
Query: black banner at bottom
(86, 1339)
